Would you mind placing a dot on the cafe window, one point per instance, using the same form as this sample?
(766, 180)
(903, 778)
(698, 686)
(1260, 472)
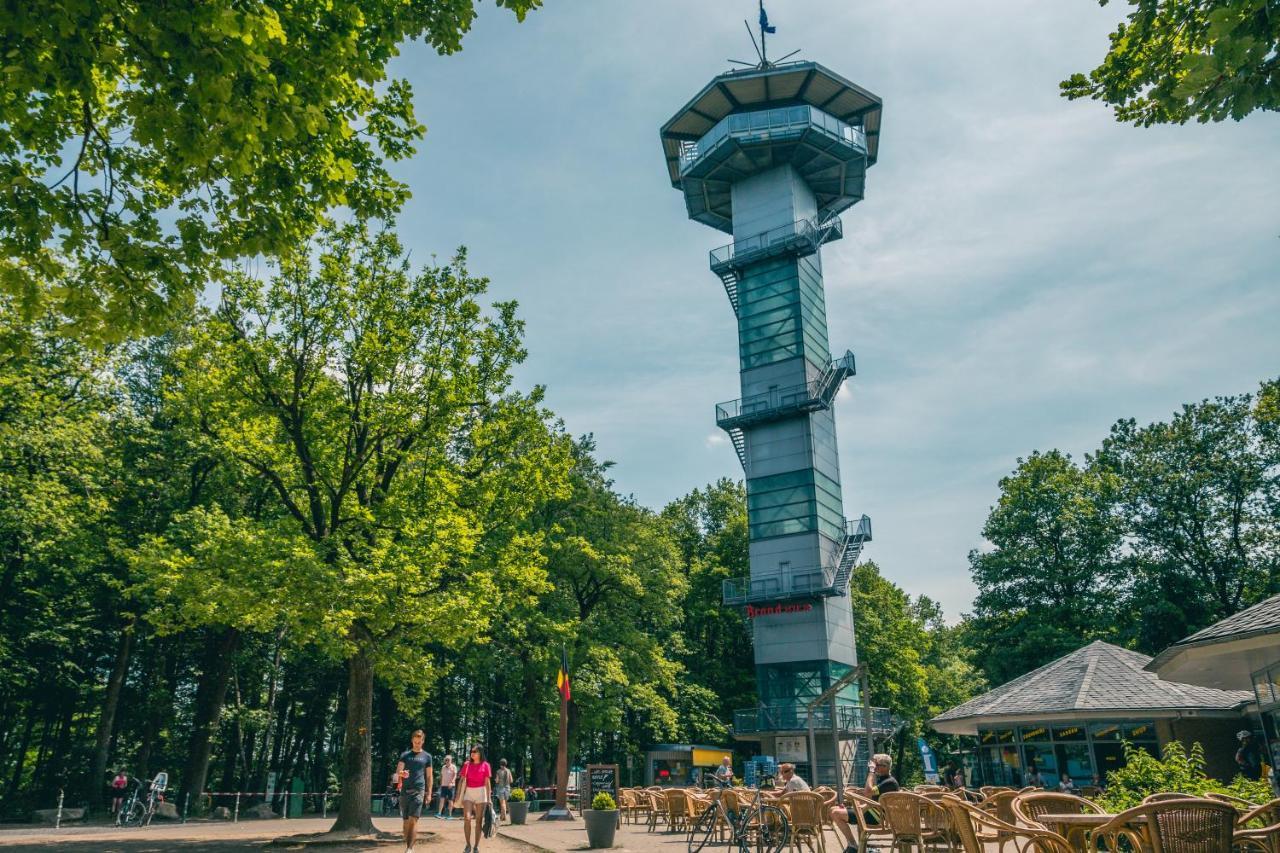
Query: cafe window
(1274, 677)
(1069, 733)
(1039, 734)
(1006, 735)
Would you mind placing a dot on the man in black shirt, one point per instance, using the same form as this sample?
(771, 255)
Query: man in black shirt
(1248, 756)
(414, 769)
(879, 781)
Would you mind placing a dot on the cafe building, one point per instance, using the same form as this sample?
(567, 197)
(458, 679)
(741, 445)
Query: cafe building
(1074, 715)
(1241, 652)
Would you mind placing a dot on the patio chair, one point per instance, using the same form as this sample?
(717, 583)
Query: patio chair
(1167, 795)
(1192, 825)
(640, 807)
(1260, 840)
(678, 810)
(1240, 803)
(859, 807)
(1029, 809)
(805, 811)
(1000, 804)
(1090, 792)
(657, 809)
(974, 828)
(1259, 816)
(914, 820)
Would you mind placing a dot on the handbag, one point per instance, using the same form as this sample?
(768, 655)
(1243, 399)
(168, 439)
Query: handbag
(490, 820)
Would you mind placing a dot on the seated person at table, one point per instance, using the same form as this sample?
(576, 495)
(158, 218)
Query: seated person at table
(790, 781)
(879, 781)
(1067, 786)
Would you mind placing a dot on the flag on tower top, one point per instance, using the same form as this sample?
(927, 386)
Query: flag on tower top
(764, 20)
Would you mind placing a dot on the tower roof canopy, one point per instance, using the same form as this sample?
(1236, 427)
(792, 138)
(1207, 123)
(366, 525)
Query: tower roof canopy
(759, 88)
(1099, 681)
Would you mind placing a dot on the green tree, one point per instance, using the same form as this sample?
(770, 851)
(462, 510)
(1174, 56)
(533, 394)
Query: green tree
(1199, 495)
(1177, 60)
(376, 402)
(142, 147)
(710, 529)
(1049, 582)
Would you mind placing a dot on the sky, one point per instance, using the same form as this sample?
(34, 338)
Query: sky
(1022, 272)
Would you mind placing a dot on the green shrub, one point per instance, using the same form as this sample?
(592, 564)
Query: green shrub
(1144, 774)
(603, 803)
(517, 795)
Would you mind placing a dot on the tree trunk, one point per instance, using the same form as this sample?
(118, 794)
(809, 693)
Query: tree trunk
(211, 692)
(353, 807)
(107, 719)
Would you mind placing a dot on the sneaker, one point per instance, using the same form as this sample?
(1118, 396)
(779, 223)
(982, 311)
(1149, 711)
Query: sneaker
(467, 849)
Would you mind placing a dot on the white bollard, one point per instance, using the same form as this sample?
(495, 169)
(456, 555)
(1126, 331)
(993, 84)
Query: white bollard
(236, 817)
(57, 821)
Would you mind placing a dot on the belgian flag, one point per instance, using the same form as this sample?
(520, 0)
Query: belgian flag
(562, 677)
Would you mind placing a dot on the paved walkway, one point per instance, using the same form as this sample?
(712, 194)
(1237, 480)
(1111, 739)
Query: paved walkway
(255, 835)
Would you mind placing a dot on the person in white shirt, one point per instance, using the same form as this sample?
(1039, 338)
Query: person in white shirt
(790, 781)
(448, 776)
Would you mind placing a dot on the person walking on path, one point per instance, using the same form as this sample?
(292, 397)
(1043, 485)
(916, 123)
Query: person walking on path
(415, 771)
(502, 787)
(476, 790)
(448, 778)
(118, 786)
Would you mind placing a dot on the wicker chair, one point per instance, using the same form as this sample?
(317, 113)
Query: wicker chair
(859, 807)
(805, 811)
(1192, 825)
(1030, 808)
(679, 810)
(1259, 816)
(974, 827)
(1240, 803)
(1090, 792)
(657, 809)
(640, 807)
(1261, 840)
(1167, 795)
(914, 820)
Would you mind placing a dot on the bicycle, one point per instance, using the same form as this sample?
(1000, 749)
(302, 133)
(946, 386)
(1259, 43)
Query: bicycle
(756, 829)
(138, 809)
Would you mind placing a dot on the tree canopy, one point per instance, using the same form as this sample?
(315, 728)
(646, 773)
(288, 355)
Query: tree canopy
(1172, 61)
(144, 147)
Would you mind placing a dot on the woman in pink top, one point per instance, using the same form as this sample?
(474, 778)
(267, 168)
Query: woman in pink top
(476, 781)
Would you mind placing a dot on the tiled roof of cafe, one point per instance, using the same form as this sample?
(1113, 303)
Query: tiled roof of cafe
(1097, 678)
(1261, 618)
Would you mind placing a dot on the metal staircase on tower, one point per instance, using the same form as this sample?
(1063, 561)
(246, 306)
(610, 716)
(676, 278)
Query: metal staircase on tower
(777, 403)
(800, 238)
(854, 539)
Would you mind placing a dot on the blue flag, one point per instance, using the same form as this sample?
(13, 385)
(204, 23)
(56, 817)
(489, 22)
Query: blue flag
(764, 21)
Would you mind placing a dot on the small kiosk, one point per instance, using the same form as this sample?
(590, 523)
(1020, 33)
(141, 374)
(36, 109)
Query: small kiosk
(679, 765)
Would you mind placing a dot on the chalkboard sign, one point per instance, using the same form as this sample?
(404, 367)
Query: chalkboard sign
(601, 779)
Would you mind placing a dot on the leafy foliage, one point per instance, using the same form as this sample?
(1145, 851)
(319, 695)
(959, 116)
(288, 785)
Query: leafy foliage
(602, 802)
(1179, 770)
(1176, 60)
(143, 147)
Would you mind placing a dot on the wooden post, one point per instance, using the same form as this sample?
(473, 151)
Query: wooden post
(560, 811)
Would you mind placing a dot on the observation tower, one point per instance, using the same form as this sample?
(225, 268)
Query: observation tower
(772, 154)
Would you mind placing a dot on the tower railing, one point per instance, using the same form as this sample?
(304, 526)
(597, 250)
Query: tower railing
(775, 403)
(793, 717)
(802, 237)
(779, 123)
(805, 582)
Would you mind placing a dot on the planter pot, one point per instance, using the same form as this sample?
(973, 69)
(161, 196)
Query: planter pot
(601, 826)
(519, 811)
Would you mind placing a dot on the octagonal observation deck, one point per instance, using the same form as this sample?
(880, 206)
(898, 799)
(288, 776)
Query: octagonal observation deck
(748, 121)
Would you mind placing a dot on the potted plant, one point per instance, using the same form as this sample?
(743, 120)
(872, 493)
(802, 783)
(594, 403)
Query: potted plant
(518, 806)
(601, 820)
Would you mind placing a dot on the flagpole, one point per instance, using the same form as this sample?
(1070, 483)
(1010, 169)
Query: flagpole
(764, 52)
(560, 811)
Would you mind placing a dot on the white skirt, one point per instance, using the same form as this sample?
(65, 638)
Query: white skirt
(475, 795)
